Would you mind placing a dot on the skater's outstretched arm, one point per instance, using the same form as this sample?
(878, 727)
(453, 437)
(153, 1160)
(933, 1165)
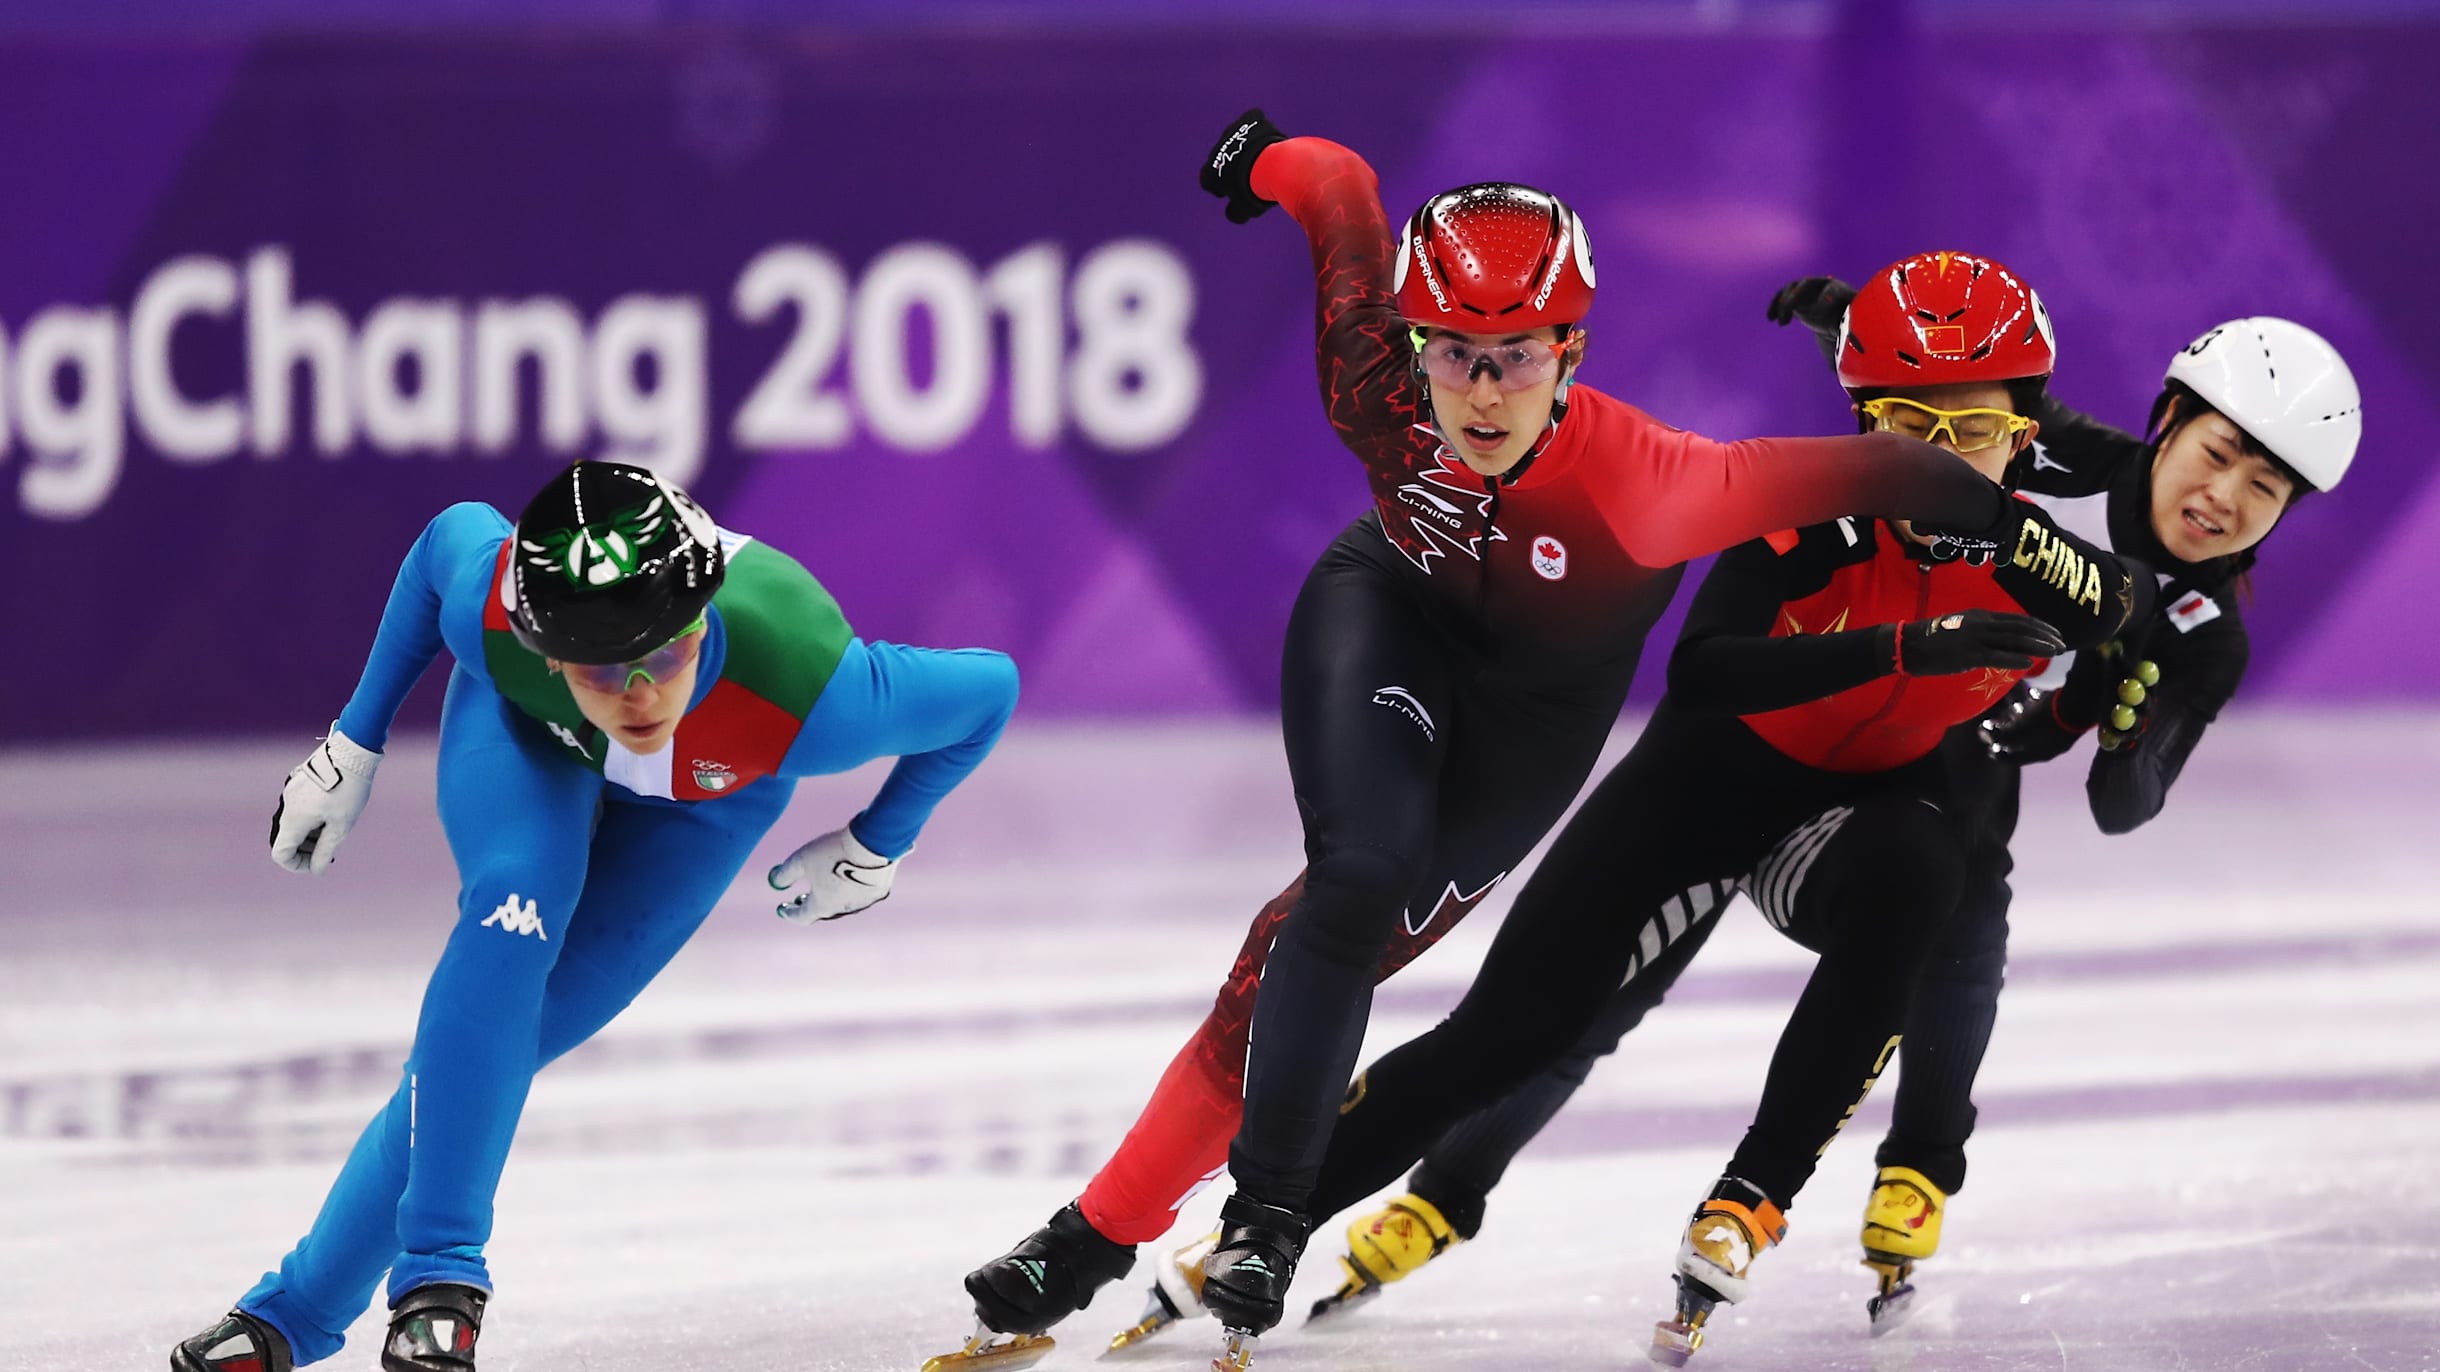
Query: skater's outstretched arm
(1730, 660)
(1686, 495)
(937, 711)
(1362, 352)
(2087, 593)
(410, 633)
(327, 792)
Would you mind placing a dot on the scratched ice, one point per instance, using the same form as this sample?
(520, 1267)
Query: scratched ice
(2212, 1117)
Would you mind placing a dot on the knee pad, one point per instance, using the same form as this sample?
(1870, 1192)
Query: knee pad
(1355, 894)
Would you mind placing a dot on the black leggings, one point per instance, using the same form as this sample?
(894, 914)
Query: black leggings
(1627, 893)
(1948, 1021)
(1426, 770)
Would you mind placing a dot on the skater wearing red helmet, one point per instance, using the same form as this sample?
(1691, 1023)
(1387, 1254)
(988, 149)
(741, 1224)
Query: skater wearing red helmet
(1798, 753)
(2253, 415)
(1452, 667)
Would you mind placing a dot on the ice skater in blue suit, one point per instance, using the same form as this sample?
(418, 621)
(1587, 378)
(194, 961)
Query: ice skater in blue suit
(634, 693)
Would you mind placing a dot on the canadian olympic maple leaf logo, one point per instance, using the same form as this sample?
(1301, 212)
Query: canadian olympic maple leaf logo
(1549, 558)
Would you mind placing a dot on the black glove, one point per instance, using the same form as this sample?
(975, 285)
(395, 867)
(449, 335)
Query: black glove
(1820, 301)
(2109, 686)
(1968, 639)
(2026, 728)
(1228, 169)
(1974, 547)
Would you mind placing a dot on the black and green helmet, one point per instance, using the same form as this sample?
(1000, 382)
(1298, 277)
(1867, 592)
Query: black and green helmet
(611, 562)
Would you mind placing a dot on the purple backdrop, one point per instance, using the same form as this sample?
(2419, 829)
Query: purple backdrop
(946, 317)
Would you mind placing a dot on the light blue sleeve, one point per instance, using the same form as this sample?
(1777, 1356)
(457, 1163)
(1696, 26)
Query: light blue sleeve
(410, 633)
(938, 711)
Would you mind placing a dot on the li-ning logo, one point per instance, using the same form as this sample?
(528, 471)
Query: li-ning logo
(1403, 701)
(517, 918)
(1438, 537)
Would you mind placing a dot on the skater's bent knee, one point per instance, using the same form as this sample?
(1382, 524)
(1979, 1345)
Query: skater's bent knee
(1354, 895)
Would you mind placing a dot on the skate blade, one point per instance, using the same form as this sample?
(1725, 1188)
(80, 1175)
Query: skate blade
(1160, 1312)
(1136, 1333)
(1236, 1351)
(990, 1352)
(1343, 1301)
(1674, 1341)
(1891, 1308)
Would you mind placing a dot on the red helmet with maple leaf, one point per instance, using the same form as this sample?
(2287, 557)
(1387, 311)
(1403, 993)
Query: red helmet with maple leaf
(1938, 319)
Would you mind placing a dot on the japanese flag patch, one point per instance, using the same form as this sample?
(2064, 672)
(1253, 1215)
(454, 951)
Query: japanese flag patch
(2193, 610)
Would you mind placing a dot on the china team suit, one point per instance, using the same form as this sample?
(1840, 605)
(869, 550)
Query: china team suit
(1452, 667)
(2091, 478)
(1788, 700)
(2095, 478)
(584, 867)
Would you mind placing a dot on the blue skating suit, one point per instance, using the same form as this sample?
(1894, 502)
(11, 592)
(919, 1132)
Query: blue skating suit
(583, 868)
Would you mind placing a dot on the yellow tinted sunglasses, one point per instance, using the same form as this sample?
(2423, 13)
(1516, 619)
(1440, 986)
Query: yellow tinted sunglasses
(1969, 431)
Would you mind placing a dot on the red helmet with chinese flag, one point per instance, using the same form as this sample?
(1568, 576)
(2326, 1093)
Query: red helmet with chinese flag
(1493, 258)
(1938, 319)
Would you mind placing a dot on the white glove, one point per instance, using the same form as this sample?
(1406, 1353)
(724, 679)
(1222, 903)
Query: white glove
(843, 877)
(321, 801)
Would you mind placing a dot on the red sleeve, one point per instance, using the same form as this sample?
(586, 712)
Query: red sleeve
(1361, 342)
(1688, 495)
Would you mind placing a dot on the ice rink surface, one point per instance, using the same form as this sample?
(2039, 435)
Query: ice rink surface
(2211, 1117)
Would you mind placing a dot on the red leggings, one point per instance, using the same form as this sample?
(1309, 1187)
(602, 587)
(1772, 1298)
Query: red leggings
(1181, 1140)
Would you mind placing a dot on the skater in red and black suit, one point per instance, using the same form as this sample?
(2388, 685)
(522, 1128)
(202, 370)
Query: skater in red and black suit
(1452, 667)
(1817, 674)
(2252, 416)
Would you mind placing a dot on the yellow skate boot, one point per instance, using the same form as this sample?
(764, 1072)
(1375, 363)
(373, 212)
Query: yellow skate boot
(1901, 1228)
(1730, 1229)
(1386, 1246)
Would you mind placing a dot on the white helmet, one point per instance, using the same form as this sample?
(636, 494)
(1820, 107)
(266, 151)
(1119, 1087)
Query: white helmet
(2285, 386)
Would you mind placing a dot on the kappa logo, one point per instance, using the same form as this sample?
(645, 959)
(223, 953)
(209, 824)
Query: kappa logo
(517, 918)
(1403, 701)
(1549, 558)
(714, 776)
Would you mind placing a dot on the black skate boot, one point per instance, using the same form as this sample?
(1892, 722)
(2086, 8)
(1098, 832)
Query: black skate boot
(433, 1329)
(1245, 1280)
(239, 1343)
(1051, 1274)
